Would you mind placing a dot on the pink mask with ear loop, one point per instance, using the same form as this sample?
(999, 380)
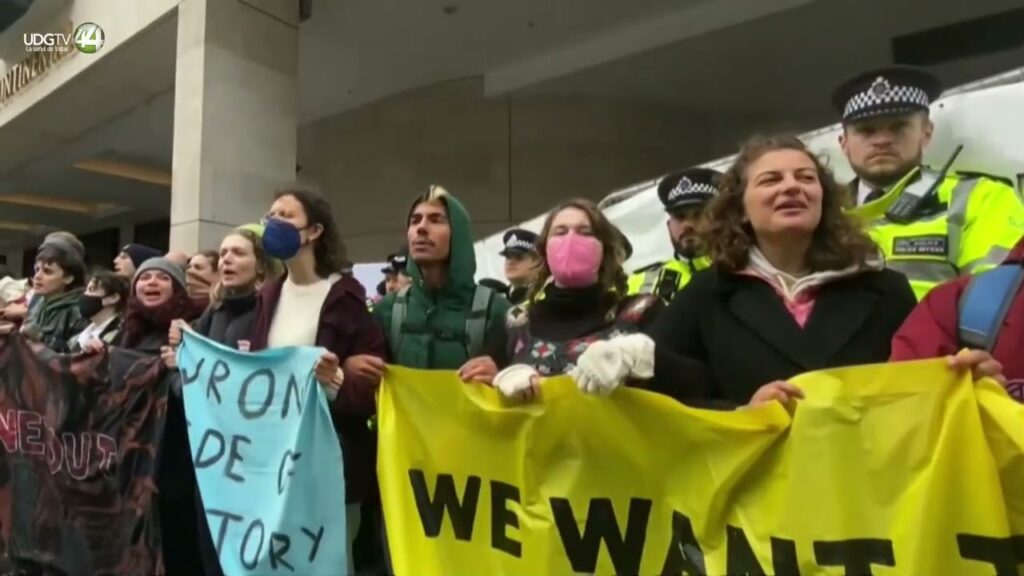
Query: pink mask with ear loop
(574, 259)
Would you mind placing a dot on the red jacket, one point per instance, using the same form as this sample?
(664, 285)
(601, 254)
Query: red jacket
(346, 328)
(931, 329)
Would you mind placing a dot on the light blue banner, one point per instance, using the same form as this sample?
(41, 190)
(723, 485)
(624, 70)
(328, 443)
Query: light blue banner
(267, 459)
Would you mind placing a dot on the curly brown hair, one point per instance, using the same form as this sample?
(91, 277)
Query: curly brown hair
(328, 249)
(838, 241)
(610, 275)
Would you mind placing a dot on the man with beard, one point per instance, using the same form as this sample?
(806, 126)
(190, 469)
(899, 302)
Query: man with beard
(684, 195)
(931, 225)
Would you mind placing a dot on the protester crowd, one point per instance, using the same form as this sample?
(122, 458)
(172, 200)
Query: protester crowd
(778, 270)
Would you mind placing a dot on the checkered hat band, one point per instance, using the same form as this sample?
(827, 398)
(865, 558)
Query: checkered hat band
(695, 189)
(895, 97)
(517, 244)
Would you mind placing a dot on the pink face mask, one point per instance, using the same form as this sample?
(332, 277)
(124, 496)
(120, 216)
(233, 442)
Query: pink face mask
(574, 259)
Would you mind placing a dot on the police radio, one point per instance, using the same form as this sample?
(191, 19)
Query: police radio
(916, 194)
(668, 284)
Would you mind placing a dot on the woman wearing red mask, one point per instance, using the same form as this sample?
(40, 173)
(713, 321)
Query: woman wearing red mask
(577, 300)
(158, 296)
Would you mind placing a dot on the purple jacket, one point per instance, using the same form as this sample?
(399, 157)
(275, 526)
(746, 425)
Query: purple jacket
(345, 328)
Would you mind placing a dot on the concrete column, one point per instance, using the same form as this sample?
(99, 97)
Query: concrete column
(235, 115)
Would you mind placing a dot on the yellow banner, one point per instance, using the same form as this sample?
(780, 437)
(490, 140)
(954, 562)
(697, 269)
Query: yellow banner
(888, 469)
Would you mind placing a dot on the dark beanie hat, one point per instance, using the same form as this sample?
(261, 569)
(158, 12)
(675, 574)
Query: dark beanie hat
(139, 253)
(164, 265)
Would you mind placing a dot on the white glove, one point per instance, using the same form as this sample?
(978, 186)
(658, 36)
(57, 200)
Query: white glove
(605, 364)
(518, 381)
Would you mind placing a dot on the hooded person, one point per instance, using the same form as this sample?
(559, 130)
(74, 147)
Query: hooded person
(444, 319)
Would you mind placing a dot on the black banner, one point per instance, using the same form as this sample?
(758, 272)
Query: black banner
(78, 461)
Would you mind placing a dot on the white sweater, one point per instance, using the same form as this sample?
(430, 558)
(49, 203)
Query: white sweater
(298, 313)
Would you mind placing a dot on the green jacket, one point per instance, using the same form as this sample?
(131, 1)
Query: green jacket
(59, 320)
(434, 335)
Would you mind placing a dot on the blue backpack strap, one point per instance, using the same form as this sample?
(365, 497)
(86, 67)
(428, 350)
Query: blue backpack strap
(985, 303)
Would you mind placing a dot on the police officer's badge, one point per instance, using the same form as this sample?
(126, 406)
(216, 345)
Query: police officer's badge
(684, 186)
(880, 87)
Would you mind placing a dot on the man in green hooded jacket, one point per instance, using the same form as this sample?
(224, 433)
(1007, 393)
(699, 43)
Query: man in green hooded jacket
(444, 319)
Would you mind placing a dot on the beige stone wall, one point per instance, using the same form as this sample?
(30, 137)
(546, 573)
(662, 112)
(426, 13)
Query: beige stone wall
(508, 160)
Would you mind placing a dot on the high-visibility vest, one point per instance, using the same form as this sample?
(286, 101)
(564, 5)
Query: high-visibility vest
(664, 279)
(968, 226)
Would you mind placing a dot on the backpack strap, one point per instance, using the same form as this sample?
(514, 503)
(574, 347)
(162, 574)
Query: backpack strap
(398, 321)
(476, 320)
(985, 303)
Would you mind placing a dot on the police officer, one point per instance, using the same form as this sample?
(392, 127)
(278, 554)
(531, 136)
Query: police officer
(396, 276)
(522, 263)
(684, 195)
(932, 225)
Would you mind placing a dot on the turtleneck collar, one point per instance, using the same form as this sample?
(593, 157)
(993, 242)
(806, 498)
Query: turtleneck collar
(564, 313)
(239, 303)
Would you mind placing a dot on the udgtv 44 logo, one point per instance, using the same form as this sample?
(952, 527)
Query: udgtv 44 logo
(87, 38)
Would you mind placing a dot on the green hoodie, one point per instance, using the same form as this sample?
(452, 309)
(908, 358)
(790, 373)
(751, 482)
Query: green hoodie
(433, 313)
(59, 320)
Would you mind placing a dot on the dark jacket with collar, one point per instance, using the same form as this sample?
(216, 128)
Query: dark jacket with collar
(741, 330)
(229, 321)
(57, 320)
(346, 328)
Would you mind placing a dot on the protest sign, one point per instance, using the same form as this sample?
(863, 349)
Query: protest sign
(268, 462)
(890, 469)
(79, 438)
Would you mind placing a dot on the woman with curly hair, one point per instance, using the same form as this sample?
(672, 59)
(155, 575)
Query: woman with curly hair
(315, 305)
(795, 286)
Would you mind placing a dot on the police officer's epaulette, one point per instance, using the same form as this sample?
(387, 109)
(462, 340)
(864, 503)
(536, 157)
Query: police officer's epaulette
(975, 174)
(633, 308)
(649, 267)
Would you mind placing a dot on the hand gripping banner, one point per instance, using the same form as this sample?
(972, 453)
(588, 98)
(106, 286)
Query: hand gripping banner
(889, 469)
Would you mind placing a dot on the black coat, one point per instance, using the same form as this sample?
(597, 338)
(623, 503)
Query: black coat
(230, 322)
(741, 330)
